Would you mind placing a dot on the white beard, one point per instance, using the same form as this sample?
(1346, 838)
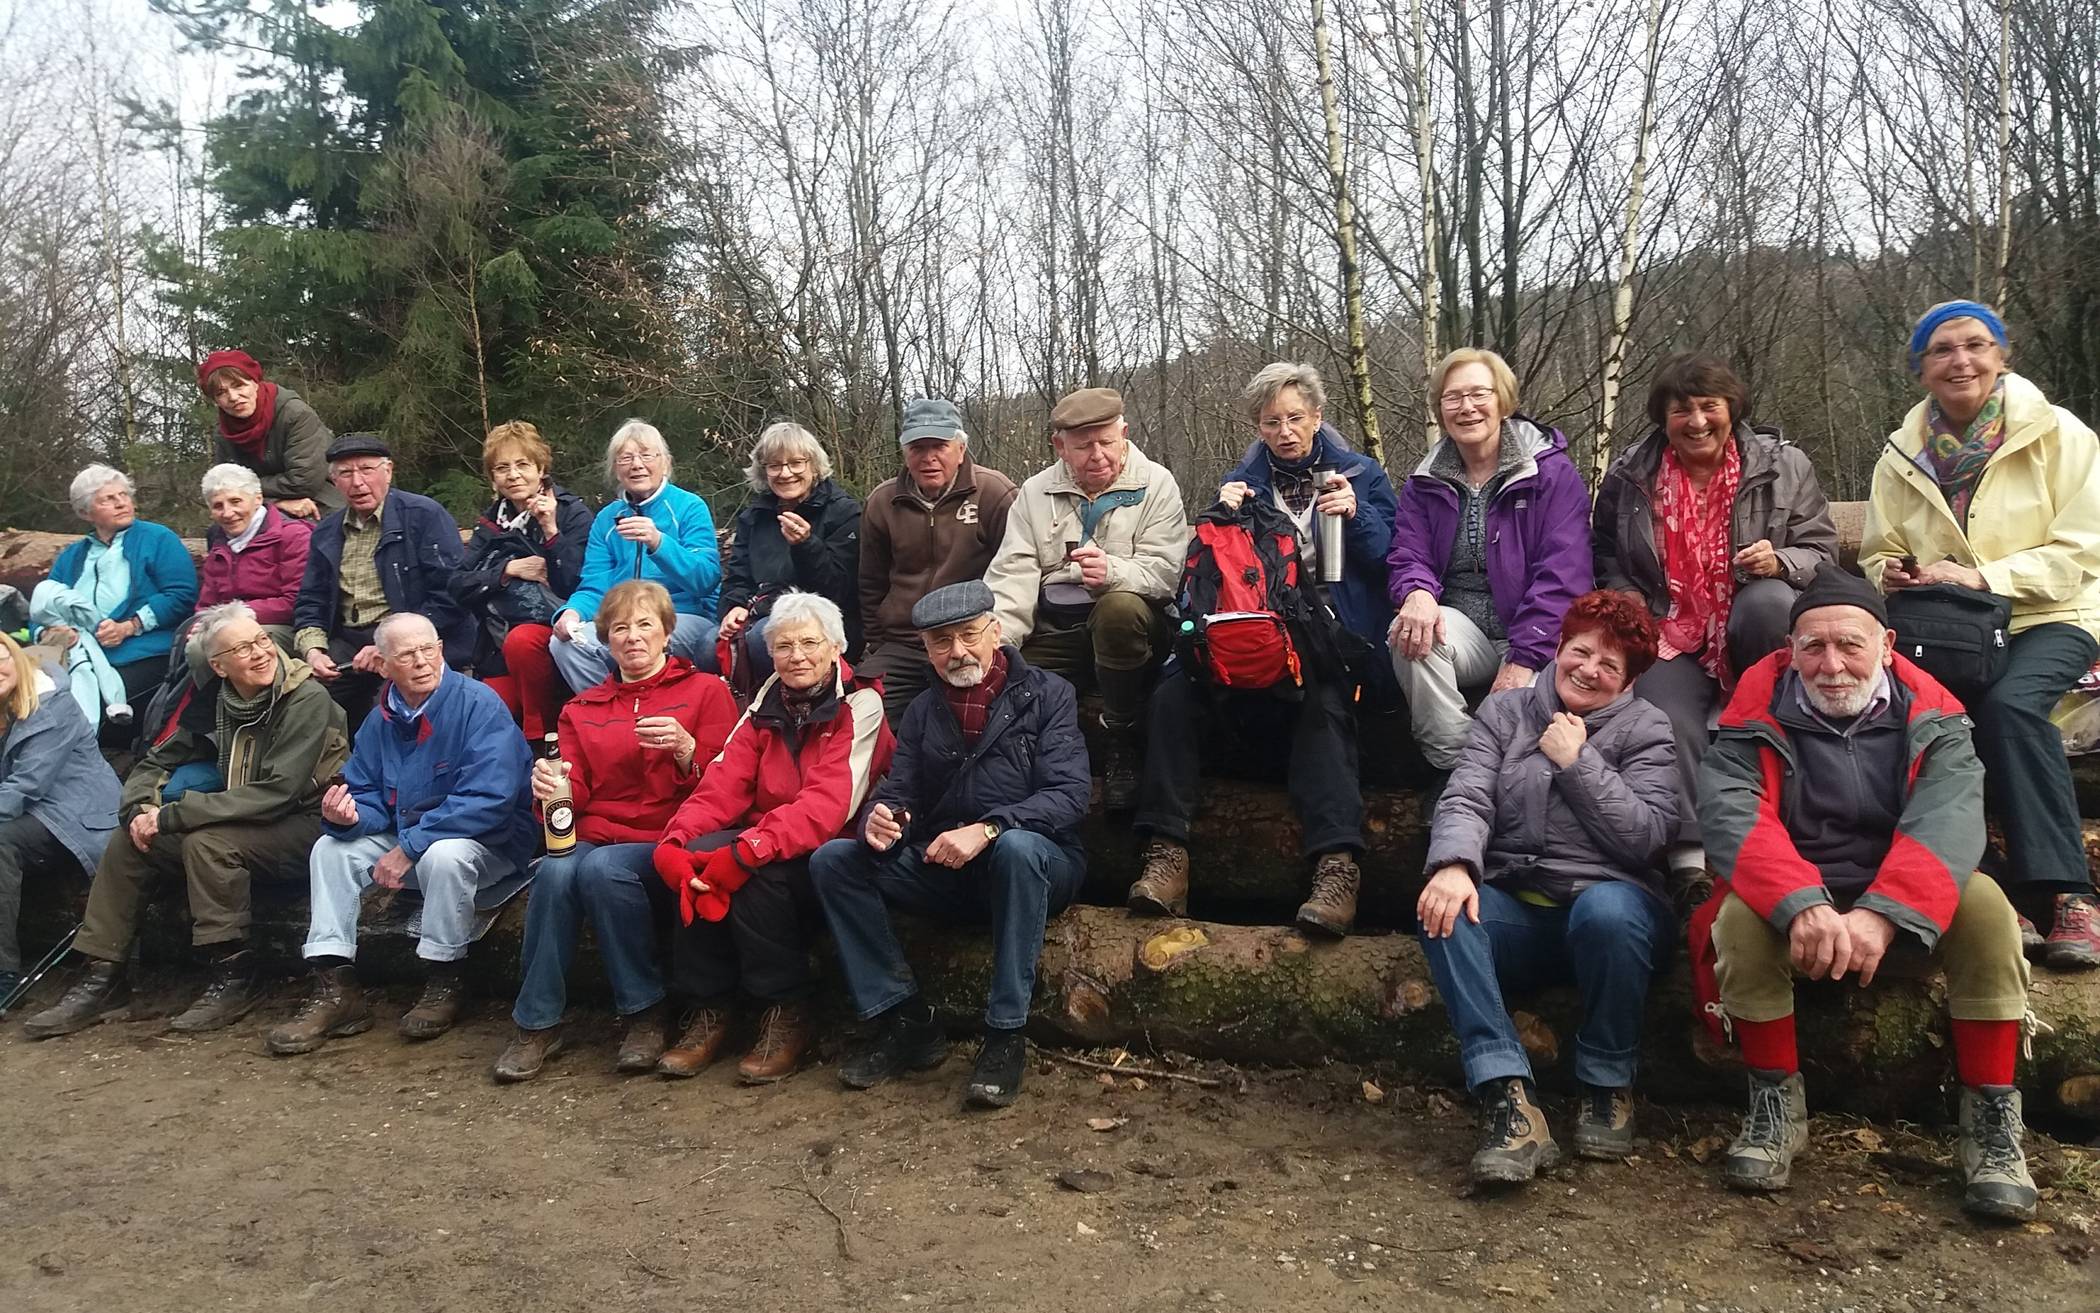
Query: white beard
(969, 676)
(1838, 705)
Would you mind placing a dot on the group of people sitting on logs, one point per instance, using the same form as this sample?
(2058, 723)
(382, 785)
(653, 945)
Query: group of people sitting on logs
(871, 707)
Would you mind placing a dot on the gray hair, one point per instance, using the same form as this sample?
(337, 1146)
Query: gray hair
(1271, 380)
(398, 620)
(230, 477)
(89, 483)
(635, 433)
(783, 440)
(210, 623)
(795, 606)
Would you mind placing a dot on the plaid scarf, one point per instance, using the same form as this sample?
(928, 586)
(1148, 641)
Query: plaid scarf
(1699, 558)
(973, 705)
(1958, 458)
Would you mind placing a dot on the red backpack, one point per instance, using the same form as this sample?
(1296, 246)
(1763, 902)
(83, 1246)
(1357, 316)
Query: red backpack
(1243, 598)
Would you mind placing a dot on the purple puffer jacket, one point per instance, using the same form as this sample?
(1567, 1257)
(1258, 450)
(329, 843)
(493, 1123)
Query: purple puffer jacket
(1538, 539)
(266, 575)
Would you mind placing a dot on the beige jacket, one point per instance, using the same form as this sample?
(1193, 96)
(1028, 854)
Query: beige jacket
(2034, 524)
(1146, 543)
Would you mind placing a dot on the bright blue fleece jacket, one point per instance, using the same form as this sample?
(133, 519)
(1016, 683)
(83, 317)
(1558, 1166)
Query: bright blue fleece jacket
(163, 577)
(458, 771)
(688, 562)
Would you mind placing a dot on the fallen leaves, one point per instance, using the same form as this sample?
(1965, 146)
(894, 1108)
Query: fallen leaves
(1105, 1123)
(1372, 1093)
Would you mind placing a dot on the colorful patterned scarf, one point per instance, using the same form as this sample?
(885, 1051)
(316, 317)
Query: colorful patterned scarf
(1958, 458)
(1699, 559)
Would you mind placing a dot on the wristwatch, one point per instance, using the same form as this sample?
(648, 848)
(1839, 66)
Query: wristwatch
(991, 831)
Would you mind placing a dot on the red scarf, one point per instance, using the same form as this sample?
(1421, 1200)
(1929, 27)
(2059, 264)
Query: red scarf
(1699, 558)
(246, 435)
(973, 705)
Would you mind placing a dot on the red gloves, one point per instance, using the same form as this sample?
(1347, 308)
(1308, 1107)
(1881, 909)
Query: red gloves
(721, 873)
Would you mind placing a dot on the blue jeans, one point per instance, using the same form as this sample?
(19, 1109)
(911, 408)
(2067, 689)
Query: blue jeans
(1017, 884)
(616, 886)
(448, 873)
(1611, 941)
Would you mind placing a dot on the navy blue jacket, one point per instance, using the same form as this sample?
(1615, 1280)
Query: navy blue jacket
(1359, 599)
(1029, 770)
(827, 562)
(418, 550)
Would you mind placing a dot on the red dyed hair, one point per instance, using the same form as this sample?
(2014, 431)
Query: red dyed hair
(1622, 619)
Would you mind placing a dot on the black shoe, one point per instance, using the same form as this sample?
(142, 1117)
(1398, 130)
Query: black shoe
(234, 990)
(1119, 772)
(996, 1080)
(909, 1040)
(103, 990)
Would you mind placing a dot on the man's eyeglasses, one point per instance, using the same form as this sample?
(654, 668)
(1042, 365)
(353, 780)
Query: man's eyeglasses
(958, 639)
(417, 655)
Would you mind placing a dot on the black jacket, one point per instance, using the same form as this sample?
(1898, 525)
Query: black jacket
(827, 562)
(492, 548)
(417, 553)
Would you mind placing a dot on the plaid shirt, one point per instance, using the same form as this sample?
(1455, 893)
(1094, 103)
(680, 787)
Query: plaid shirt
(364, 600)
(973, 706)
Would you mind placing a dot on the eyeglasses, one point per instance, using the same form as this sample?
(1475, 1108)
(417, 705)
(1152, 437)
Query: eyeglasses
(961, 638)
(367, 470)
(1975, 346)
(1470, 397)
(255, 646)
(632, 457)
(1276, 424)
(417, 655)
(798, 647)
(787, 467)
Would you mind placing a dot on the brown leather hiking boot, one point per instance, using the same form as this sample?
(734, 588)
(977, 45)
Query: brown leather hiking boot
(641, 1041)
(234, 989)
(444, 996)
(526, 1053)
(335, 1009)
(102, 991)
(706, 1032)
(1515, 1142)
(1332, 908)
(784, 1036)
(1163, 888)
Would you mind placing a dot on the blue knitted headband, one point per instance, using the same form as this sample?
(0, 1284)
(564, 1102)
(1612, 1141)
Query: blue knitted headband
(1945, 311)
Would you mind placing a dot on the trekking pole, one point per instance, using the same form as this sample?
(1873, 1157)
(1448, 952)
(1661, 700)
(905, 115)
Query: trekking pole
(37, 972)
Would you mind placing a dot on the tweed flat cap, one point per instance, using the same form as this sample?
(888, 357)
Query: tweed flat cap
(1085, 408)
(953, 604)
(929, 417)
(348, 445)
(1834, 585)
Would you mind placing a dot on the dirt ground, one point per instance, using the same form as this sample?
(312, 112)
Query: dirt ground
(142, 1171)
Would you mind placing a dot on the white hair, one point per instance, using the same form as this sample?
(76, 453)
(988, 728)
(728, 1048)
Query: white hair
(211, 622)
(230, 477)
(399, 620)
(1271, 380)
(635, 433)
(783, 440)
(89, 483)
(795, 607)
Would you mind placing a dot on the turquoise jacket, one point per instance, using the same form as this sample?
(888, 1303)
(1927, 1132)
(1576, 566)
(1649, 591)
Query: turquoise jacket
(163, 578)
(688, 562)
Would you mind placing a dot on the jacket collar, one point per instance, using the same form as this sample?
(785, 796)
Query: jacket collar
(2028, 418)
(963, 484)
(1545, 699)
(676, 671)
(422, 727)
(1756, 689)
(1137, 473)
(1760, 447)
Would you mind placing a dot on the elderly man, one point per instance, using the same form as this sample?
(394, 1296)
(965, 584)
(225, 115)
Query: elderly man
(1842, 803)
(386, 551)
(220, 810)
(435, 796)
(1093, 550)
(977, 820)
(936, 524)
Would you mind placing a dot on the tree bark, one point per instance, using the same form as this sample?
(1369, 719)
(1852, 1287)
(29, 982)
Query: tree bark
(1629, 252)
(1345, 238)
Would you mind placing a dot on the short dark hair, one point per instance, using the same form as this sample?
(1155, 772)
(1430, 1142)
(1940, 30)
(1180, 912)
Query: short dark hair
(1691, 374)
(1622, 619)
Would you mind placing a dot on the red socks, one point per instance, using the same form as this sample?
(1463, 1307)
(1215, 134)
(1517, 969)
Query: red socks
(1769, 1045)
(1984, 1051)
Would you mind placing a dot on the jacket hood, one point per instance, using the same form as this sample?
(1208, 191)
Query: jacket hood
(1751, 704)
(1534, 442)
(2028, 413)
(676, 671)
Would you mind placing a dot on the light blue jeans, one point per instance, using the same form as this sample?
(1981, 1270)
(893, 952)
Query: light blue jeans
(449, 873)
(584, 661)
(613, 886)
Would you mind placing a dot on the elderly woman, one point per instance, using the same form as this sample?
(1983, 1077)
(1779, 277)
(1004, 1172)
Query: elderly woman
(58, 797)
(115, 599)
(1541, 870)
(1718, 526)
(271, 430)
(800, 530)
(1987, 486)
(792, 776)
(1490, 545)
(631, 750)
(653, 530)
(253, 553)
(1305, 474)
(523, 562)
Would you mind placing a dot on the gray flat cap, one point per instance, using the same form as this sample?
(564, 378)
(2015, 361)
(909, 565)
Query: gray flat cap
(350, 445)
(952, 605)
(929, 417)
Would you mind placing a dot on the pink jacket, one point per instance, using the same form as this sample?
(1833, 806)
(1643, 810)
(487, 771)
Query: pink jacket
(266, 575)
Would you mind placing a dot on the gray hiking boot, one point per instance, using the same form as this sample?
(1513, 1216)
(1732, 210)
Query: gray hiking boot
(1515, 1142)
(234, 990)
(103, 990)
(1604, 1127)
(1774, 1131)
(1993, 1163)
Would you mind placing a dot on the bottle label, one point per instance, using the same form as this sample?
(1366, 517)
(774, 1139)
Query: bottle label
(561, 820)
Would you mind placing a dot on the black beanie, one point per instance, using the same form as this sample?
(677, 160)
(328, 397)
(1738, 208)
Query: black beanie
(1834, 585)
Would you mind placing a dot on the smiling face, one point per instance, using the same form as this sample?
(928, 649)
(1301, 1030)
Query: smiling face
(515, 476)
(1470, 410)
(802, 656)
(1962, 363)
(1589, 671)
(1699, 429)
(1838, 650)
(1289, 424)
(232, 508)
(1094, 455)
(243, 654)
(639, 468)
(637, 638)
(236, 397)
(111, 512)
(791, 474)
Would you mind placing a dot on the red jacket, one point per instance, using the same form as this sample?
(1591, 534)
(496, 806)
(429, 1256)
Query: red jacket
(625, 794)
(792, 790)
(265, 575)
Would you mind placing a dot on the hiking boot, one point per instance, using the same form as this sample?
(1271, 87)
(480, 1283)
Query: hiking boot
(1604, 1127)
(996, 1079)
(1119, 769)
(1163, 888)
(335, 1009)
(102, 991)
(1515, 1143)
(1332, 908)
(1774, 1130)
(785, 1032)
(1993, 1164)
(2074, 941)
(444, 995)
(526, 1053)
(234, 990)
(706, 1032)
(641, 1041)
(2032, 941)
(909, 1040)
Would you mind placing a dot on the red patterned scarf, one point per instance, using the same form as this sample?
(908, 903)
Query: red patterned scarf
(973, 705)
(246, 435)
(1699, 558)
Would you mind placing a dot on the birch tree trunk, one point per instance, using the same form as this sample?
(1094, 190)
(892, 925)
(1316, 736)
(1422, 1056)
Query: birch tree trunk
(1345, 237)
(2004, 153)
(1629, 251)
(1425, 169)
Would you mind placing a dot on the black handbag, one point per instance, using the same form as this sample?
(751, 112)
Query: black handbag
(1959, 636)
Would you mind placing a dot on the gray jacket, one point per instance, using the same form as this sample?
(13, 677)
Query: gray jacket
(51, 769)
(1779, 500)
(1513, 818)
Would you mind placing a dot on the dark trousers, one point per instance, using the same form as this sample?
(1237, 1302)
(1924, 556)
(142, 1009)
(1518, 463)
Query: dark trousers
(141, 680)
(1320, 731)
(761, 948)
(901, 665)
(1016, 884)
(218, 862)
(25, 845)
(353, 690)
(2025, 771)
